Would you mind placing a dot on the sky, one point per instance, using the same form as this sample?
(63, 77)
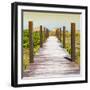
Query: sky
(51, 20)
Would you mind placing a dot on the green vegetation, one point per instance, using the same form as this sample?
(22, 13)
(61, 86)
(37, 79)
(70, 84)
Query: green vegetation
(68, 44)
(77, 43)
(25, 38)
(36, 40)
(25, 58)
(36, 44)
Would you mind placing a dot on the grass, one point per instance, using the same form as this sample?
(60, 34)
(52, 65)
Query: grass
(26, 58)
(68, 44)
(77, 43)
(36, 45)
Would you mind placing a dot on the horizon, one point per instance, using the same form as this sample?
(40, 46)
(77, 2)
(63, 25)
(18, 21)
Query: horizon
(51, 20)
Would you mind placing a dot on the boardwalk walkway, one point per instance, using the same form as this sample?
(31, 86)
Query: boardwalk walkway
(51, 62)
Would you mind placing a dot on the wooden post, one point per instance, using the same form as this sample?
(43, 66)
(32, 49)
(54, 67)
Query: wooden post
(31, 42)
(73, 41)
(63, 36)
(56, 33)
(60, 34)
(41, 38)
(44, 35)
(47, 33)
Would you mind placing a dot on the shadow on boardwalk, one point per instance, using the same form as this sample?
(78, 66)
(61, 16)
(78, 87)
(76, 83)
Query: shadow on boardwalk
(51, 62)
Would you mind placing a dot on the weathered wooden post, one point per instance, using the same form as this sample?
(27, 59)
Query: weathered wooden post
(63, 36)
(56, 33)
(60, 34)
(44, 35)
(47, 33)
(31, 42)
(41, 38)
(73, 41)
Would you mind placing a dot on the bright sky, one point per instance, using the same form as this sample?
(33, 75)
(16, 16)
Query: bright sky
(51, 20)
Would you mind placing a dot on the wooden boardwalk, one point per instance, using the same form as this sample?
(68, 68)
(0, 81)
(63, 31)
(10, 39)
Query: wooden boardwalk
(51, 61)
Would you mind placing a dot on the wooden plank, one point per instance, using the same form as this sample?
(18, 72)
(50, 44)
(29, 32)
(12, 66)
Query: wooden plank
(31, 42)
(73, 41)
(51, 62)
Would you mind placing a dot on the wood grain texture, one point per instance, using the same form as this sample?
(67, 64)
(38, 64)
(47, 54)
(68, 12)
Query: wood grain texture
(31, 42)
(51, 62)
